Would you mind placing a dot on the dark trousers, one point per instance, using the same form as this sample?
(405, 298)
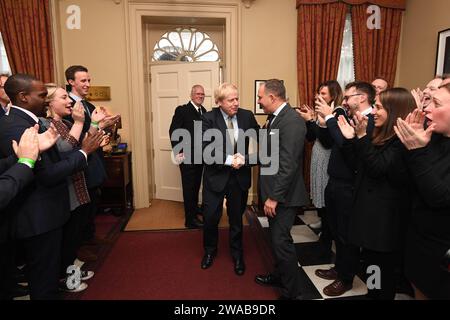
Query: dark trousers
(88, 216)
(338, 200)
(213, 205)
(191, 178)
(43, 259)
(7, 267)
(387, 262)
(72, 238)
(286, 261)
(326, 237)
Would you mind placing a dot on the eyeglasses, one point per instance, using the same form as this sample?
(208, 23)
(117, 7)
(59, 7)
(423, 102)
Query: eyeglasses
(353, 95)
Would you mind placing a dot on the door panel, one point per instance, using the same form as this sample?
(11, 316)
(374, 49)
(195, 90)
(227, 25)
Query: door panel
(171, 86)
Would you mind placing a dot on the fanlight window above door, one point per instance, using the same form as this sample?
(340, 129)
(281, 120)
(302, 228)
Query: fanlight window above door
(185, 44)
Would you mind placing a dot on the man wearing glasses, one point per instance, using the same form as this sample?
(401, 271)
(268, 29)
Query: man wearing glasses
(359, 97)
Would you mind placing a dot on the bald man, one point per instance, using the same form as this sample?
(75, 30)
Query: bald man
(380, 85)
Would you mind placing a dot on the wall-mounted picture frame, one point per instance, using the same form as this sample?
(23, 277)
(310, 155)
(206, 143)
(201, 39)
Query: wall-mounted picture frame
(258, 108)
(443, 53)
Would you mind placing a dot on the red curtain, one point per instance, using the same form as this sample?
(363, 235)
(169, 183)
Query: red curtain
(319, 41)
(375, 50)
(26, 30)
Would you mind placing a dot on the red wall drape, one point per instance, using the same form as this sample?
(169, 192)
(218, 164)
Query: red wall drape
(26, 30)
(319, 41)
(375, 51)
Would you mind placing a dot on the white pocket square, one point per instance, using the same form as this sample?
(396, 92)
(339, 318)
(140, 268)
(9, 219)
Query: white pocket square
(272, 133)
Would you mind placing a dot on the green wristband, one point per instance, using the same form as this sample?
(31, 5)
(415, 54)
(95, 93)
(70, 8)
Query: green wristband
(27, 161)
(94, 124)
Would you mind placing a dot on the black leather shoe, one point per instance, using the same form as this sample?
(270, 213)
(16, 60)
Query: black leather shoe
(19, 291)
(194, 224)
(299, 297)
(239, 266)
(207, 261)
(268, 280)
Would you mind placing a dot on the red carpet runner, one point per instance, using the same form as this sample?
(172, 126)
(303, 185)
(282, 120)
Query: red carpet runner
(166, 266)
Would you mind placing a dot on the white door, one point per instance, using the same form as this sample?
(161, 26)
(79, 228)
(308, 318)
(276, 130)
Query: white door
(171, 86)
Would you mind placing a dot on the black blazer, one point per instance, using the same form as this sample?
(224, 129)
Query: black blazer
(2, 112)
(184, 118)
(13, 178)
(43, 205)
(216, 176)
(287, 185)
(430, 221)
(95, 172)
(341, 166)
(380, 203)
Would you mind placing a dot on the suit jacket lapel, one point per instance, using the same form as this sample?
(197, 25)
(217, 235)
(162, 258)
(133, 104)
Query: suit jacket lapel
(278, 118)
(220, 121)
(194, 110)
(240, 122)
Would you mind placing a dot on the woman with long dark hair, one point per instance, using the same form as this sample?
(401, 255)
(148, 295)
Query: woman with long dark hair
(380, 209)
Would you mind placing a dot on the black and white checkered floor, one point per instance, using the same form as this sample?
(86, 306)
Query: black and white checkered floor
(312, 255)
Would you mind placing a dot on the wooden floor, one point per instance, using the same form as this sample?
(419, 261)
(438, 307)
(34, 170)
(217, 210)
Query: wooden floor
(164, 215)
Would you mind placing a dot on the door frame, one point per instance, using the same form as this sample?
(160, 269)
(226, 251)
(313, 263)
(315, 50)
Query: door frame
(135, 12)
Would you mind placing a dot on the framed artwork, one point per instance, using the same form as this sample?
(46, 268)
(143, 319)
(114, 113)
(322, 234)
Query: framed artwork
(443, 53)
(258, 108)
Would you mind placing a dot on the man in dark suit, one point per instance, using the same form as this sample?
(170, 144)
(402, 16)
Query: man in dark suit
(16, 172)
(283, 190)
(227, 172)
(38, 213)
(79, 80)
(191, 172)
(359, 98)
(4, 100)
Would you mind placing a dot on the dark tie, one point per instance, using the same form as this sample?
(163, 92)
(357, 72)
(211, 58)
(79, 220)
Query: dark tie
(200, 111)
(269, 121)
(86, 107)
(42, 128)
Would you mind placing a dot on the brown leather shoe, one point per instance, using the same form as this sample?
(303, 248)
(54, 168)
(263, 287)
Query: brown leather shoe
(337, 288)
(330, 274)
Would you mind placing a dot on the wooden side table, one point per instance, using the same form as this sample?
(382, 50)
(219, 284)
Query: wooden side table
(117, 190)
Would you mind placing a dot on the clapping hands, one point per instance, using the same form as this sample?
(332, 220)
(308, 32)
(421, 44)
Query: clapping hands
(48, 138)
(356, 127)
(418, 97)
(322, 108)
(28, 146)
(411, 131)
(78, 112)
(306, 112)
